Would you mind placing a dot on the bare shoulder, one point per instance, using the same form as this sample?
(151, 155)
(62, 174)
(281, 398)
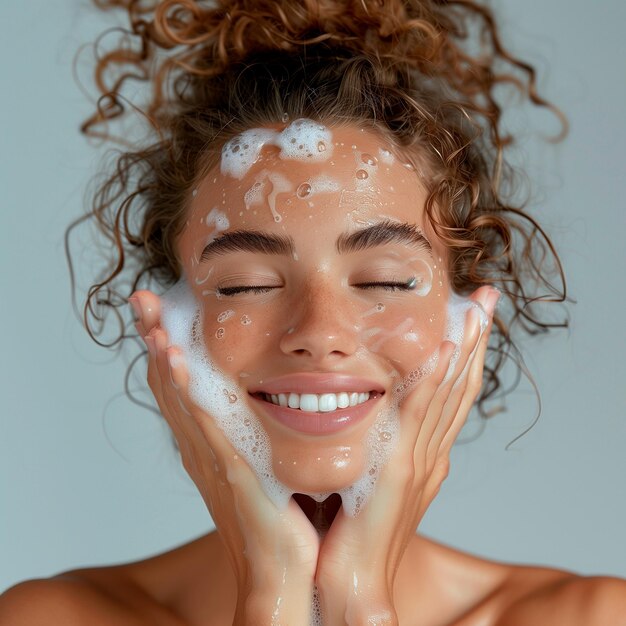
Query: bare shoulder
(475, 591)
(157, 591)
(62, 601)
(568, 600)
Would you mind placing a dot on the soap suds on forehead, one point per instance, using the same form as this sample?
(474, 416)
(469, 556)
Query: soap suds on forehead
(303, 140)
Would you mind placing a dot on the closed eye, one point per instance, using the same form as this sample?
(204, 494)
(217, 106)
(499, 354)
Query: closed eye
(407, 285)
(233, 291)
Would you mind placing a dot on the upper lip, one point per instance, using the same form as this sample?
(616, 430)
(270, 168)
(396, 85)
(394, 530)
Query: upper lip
(311, 382)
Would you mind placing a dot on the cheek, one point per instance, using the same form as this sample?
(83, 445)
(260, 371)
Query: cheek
(235, 335)
(408, 334)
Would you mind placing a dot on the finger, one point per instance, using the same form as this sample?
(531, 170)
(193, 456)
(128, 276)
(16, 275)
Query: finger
(464, 396)
(199, 424)
(414, 407)
(158, 376)
(147, 309)
(437, 417)
(474, 384)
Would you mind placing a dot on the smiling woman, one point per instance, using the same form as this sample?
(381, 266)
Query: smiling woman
(314, 240)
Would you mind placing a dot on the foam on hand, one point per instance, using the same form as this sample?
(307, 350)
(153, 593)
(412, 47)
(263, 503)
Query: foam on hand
(215, 393)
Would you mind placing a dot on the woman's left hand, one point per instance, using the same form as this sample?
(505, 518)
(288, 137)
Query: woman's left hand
(360, 555)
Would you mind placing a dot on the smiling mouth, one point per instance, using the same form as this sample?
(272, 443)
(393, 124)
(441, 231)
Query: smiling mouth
(318, 414)
(318, 403)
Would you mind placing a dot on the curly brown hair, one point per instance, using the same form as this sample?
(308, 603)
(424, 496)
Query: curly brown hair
(422, 73)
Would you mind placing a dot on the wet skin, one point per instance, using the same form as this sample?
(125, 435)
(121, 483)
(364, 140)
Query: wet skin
(319, 306)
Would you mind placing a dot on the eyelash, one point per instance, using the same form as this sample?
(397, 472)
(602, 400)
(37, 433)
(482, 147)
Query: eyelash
(408, 285)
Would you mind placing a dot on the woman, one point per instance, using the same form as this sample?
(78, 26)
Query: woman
(321, 270)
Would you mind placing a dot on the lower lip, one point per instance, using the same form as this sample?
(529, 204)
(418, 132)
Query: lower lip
(318, 423)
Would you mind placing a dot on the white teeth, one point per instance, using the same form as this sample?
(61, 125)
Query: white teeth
(308, 402)
(294, 401)
(343, 400)
(327, 402)
(324, 402)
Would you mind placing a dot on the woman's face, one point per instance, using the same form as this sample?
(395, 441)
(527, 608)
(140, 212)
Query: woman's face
(318, 279)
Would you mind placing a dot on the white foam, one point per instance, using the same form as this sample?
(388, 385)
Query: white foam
(218, 220)
(215, 393)
(302, 140)
(224, 399)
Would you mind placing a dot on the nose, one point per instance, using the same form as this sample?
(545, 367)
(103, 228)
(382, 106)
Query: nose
(323, 326)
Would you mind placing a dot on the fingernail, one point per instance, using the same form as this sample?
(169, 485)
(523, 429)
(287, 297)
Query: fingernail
(149, 339)
(173, 361)
(492, 299)
(136, 305)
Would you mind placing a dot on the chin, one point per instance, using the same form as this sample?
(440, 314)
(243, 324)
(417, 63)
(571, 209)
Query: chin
(321, 471)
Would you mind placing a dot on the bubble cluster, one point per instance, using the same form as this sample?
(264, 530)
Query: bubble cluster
(302, 140)
(215, 393)
(315, 618)
(217, 219)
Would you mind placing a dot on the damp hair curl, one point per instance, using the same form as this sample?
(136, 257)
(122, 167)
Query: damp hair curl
(425, 74)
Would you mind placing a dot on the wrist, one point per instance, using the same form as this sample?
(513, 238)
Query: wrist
(356, 599)
(279, 598)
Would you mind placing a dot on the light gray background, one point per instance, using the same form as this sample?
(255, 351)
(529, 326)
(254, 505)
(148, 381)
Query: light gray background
(88, 478)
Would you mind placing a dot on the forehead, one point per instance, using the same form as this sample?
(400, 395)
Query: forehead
(296, 182)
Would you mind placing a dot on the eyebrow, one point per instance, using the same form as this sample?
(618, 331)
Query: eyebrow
(379, 234)
(383, 233)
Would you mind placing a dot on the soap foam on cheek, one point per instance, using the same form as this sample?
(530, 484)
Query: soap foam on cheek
(215, 393)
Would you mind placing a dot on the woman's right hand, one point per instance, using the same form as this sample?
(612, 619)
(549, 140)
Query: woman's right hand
(273, 552)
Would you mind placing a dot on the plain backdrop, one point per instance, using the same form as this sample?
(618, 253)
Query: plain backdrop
(88, 478)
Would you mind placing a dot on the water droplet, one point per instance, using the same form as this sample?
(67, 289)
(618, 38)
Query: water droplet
(293, 140)
(236, 148)
(229, 358)
(321, 147)
(301, 146)
(232, 398)
(245, 320)
(246, 146)
(303, 190)
(361, 174)
(285, 117)
(369, 159)
(247, 421)
(372, 471)
(409, 166)
(219, 333)
(194, 193)
(380, 307)
(384, 436)
(224, 315)
(278, 218)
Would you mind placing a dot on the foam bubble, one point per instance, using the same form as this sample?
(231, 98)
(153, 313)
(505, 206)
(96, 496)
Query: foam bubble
(221, 397)
(215, 393)
(217, 219)
(302, 140)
